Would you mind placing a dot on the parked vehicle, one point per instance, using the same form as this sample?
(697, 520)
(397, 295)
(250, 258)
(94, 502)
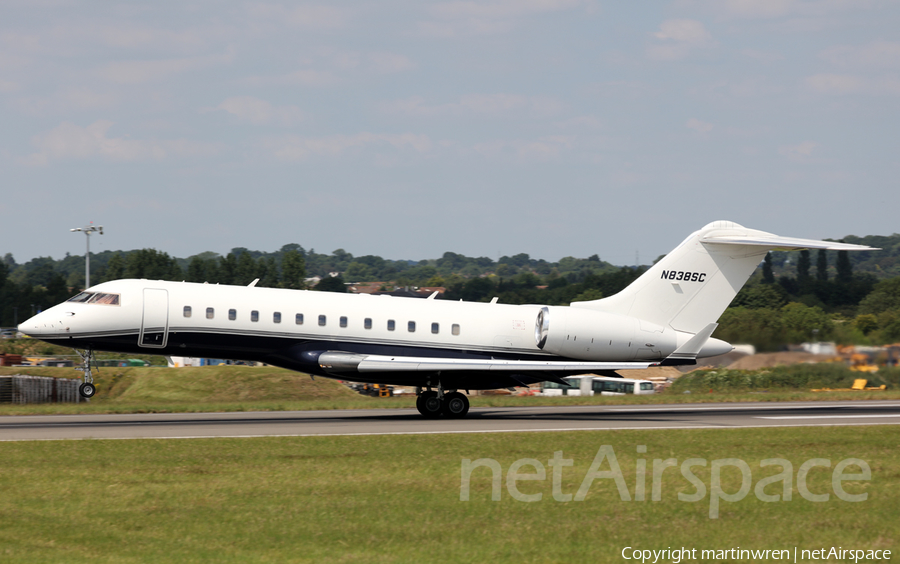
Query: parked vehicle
(601, 385)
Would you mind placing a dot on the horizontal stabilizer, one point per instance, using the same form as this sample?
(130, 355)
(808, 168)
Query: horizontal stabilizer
(687, 353)
(784, 243)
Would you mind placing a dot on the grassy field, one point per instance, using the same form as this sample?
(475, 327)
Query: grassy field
(241, 388)
(397, 498)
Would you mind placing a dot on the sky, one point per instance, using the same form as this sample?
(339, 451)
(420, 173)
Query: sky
(406, 129)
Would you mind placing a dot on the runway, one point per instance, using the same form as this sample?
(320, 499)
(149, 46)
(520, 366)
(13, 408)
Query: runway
(479, 420)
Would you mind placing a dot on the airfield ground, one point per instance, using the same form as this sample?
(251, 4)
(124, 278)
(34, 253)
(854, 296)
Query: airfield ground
(397, 498)
(241, 388)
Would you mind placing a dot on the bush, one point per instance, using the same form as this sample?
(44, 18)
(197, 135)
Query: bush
(797, 377)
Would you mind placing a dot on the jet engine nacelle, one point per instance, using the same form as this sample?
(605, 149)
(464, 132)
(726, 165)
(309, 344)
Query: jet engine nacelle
(595, 335)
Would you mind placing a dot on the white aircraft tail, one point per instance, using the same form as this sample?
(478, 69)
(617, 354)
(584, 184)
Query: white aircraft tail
(691, 286)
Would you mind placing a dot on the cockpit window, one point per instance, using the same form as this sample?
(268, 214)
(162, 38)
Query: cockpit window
(96, 298)
(105, 299)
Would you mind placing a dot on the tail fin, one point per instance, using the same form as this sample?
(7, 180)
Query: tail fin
(691, 286)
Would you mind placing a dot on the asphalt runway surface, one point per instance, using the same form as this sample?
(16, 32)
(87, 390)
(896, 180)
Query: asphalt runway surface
(479, 420)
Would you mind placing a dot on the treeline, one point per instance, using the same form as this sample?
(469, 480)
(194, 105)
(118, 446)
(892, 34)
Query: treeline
(794, 297)
(850, 308)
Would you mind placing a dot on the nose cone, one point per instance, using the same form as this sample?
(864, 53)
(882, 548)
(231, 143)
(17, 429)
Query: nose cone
(47, 324)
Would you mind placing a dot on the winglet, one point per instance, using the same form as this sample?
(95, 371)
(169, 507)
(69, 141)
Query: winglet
(687, 353)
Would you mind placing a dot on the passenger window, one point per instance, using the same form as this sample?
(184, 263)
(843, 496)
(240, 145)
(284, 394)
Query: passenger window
(254, 315)
(367, 323)
(298, 319)
(232, 314)
(187, 311)
(391, 324)
(411, 326)
(210, 313)
(276, 317)
(454, 328)
(435, 328)
(646, 386)
(321, 321)
(343, 321)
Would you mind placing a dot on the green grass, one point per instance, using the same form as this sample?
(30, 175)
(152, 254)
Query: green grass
(241, 388)
(397, 498)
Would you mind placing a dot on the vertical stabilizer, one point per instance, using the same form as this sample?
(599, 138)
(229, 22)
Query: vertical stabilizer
(691, 286)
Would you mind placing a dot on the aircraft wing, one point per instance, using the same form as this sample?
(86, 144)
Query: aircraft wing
(339, 361)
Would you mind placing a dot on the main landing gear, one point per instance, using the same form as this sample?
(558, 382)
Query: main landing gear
(453, 404)
(87, 388)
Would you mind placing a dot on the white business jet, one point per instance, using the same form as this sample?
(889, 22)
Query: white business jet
(665, 317)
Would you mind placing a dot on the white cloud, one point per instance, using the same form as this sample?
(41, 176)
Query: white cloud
(296, 148)
(699, 126)
(878, 55)
(140, 72)
(691, 32)
(773, 9)
(677, 38)
(800, 153)
(309, 17)
(460, 18)
(260, 112)
(478, 104)
(758, 8)
(70, 141)
(541, 149)
(388, 63)
(841, 84)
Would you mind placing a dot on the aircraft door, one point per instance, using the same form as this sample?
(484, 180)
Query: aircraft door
(155, 321)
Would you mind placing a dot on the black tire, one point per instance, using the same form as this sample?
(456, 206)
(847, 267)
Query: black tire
(455, 405)
(429, 405)
(87, 390)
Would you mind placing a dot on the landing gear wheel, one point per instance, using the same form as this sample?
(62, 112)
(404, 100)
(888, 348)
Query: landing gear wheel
(455, 405)
(87, 390)
(429, 405)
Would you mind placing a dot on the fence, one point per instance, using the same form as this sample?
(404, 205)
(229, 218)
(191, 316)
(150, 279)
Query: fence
(38, 389)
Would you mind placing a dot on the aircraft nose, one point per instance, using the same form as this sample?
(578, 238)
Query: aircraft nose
(45, 324)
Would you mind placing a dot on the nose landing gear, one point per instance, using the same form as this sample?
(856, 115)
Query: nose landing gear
(452, 405)
(87, 388)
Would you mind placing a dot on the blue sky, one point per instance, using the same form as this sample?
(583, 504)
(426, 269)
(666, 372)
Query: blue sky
(406, 129)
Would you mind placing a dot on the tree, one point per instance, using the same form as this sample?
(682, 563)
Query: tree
(196, 270)
(768, 275)
(152, 264)
(268, 272)
(115, 268)
(803, 266)
(803, 323)
(293, 270)
(760, 296)
(844, 268)
(885, 296)
(331, 284)
(245, 270)
(228, 269)
(822, 266)
(761, 328)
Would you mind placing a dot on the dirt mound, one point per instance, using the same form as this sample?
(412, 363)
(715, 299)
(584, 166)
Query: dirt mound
(768, 360)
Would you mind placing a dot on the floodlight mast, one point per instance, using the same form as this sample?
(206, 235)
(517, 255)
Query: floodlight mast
(87, 230)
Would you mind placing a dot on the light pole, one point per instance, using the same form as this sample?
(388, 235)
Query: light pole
(87, 230)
